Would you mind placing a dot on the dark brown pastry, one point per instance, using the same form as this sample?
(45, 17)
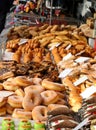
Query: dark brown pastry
(60, 110)
(59, 117)
(66, 124)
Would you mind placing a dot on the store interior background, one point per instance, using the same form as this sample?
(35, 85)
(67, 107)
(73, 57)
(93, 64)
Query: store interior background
(52, 11)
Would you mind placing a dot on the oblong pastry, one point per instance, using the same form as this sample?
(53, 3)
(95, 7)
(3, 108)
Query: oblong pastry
(10, 85)
(59, 117)
(22, 114)
(20, 92)
(1, 86)
(36, 81)
(54, 106)
(17, 56)
(22, 81)
(15, 101)
(52, 85)
(9, 108)
(91, 99)
(60, 110)
(61, 95)
(61, 101)
(27, 57)
(2, 111)
(37, 88)
(56, 55)
(66, 124)
(3, 101)
(6, 75)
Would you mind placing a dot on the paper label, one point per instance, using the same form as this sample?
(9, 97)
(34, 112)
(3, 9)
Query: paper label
(6, 93)
(82, 59)
(88, 92)
(80, 53)
(65, 73)
(68, 56)
(94, 33)
(83, 123)
(91, 42)
(68, 47)
(81, 80)
(57, 122)
(55, 45)
(22, 41)
(94, 127)
(58, 128)
(8, 55)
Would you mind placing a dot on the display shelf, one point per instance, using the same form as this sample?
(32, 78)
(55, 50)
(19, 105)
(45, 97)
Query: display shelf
(30, 19)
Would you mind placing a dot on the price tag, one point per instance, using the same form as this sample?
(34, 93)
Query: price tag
(22, 41)
(6, 93)
(82, 59)
(56, 123)
(68, 47)
(55, 45)
(94, 31)
(88, 92)
(83, 123)
(8, 55)
(81, 80)
(68, 56)
(65, 73)
(80, 53)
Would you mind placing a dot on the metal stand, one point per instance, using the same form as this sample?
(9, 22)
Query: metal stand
(51, 12)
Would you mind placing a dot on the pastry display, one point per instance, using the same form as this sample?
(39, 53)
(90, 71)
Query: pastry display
(30, 100)
(51, 65)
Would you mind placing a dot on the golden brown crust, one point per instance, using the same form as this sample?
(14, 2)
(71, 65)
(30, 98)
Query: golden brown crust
(52, 85)
(31, 99)
(15, 101)
(39, 113)
(49, 97)
(22, 114)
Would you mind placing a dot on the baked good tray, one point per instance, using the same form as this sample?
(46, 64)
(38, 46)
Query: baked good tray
(16, 121)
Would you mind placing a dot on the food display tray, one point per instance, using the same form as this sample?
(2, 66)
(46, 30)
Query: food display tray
(16, 121)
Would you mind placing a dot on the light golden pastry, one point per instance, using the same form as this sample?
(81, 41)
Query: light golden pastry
(55, 28)
(37, 55)
(48, 57)
(33, 33)
(56, 55)
(17, 56)
(27, 57)
(43, 27)
(46, 30)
